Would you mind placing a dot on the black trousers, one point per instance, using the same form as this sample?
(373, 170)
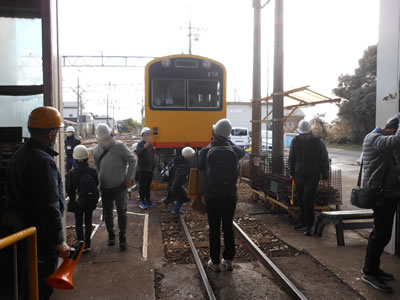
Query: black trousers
(306, 190)
(221, 210)
(145, 179)
(45, 269)
(79, 215)
(380, 235)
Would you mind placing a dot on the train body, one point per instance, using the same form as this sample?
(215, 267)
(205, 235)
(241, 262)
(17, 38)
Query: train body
(185, 95)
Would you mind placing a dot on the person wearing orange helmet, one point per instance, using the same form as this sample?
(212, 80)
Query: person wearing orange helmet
(36, 194)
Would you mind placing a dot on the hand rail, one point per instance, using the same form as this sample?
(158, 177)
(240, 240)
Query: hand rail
(30, 235)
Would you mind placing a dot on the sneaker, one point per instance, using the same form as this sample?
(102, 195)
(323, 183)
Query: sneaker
(111, 242)
(142, 205)
(308, 231)
(300, 227)
(383, 275)
(377, 283)
(122, 243)
(228, 264)
(151, 204)
(214, 267)
(177, 211)
(86, 250)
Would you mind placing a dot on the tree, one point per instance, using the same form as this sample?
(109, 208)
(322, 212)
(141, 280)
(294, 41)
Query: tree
(319, 125)
(130, 125)
(360, 91)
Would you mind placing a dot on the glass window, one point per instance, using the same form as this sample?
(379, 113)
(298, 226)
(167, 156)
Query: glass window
(204, 94)
(239, 131)
(21, 51)
(18, 110)
(168, 93)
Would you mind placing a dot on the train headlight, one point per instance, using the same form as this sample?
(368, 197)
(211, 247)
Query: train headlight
(207, 64)
(166, 63)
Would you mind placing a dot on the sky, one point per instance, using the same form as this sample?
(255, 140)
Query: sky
(323, 39)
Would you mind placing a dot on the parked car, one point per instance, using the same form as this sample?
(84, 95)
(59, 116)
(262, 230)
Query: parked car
(240, 136)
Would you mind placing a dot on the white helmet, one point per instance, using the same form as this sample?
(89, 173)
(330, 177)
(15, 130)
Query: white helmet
(102, 130)
(134, 147)
(70, 129)
(80, 152)
(145, 130)
(304, 127)
(188, 152)
(223, 128)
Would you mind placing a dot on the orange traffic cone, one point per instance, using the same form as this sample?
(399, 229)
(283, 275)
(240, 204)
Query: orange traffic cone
(62, 277)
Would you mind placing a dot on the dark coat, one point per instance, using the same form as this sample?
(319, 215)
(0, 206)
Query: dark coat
(202, 162)
(36, 195)
(178, 179)
(69, 144)
(308, 157)
(72, 181)
(378, 159)
(146, 157)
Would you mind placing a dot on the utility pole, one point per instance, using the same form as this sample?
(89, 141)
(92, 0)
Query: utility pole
(107, 111)
(277, 107)
(256, 104)
(78, 108)
(190, 31)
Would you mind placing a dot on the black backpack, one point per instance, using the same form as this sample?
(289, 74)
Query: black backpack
(166, 172)
(88, 193)
(221, 171)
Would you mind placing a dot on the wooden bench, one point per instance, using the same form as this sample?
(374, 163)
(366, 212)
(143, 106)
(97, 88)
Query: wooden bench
(338, 218)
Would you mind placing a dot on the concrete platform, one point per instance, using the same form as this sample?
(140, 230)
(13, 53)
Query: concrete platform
(108, 273)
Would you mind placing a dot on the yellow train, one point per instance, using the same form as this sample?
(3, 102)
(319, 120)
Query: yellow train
(185, 95)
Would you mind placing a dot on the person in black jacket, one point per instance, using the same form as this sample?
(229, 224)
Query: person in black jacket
(381, 170)
(308, 160)
(220, 198)
(35, 194)
(176, 185)
(70, 143)
(82, 189)
(145, 168)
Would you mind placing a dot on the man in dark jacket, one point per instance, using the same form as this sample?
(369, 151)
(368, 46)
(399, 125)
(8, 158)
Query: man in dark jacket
(176, 185)
(380, 172)
(36, 194)
(308, 159)
(221, 201)
(145, 169)
(70, 143)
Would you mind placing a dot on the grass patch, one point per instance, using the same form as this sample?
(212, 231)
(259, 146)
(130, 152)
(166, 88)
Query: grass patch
(354, 147)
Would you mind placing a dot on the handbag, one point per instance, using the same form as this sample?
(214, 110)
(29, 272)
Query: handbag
(365, 197)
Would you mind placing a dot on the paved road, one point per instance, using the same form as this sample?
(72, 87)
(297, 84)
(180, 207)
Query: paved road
(346, 160)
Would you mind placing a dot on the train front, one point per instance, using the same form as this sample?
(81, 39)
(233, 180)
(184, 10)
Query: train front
(185, 96)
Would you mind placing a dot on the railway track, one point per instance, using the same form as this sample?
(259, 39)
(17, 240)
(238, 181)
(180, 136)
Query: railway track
(258, 254)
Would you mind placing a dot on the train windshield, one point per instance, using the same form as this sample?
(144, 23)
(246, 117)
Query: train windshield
(204, 93)
(169, 93)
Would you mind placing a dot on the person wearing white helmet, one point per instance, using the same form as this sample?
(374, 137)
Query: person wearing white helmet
(219, 161)
(308, 162)
(146, 165)
(179, 171)
(115, 164)
(81, 186)
(70, 143)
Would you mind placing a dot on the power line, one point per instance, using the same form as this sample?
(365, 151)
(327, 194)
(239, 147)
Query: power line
(111, 61)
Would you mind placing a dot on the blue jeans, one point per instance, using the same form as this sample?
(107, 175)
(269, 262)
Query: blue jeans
(69, 164)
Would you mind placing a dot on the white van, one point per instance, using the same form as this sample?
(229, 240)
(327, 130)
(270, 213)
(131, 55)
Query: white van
(240, 136)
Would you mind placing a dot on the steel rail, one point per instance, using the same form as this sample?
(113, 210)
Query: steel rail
(200, 267)
(269, 264)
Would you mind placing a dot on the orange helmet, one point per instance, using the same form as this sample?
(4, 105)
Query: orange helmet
(45, 117)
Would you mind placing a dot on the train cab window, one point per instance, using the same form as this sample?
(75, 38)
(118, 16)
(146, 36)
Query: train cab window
(168, 93)
(204, 94)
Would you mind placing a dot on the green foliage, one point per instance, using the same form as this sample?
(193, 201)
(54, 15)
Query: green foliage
(360, 90)
(130, 125)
